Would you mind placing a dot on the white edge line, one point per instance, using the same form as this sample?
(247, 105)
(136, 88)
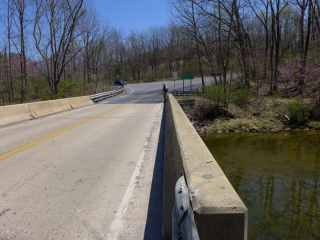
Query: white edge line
(118, 221)
(131, 89)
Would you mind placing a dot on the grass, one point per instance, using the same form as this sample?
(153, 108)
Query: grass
(260, 114)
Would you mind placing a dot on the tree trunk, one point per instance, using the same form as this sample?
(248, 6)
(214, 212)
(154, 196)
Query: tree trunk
(197, 46)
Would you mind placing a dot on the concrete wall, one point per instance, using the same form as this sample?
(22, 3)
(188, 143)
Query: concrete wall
(17, 113)
(40, 109)
(14, 113)
(80, 101)
(218, 210)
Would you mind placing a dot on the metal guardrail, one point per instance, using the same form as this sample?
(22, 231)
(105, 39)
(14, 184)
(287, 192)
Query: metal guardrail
(101, 96)
(183, 225)
(184, 93)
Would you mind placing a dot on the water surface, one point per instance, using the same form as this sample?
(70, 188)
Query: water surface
(277, 175)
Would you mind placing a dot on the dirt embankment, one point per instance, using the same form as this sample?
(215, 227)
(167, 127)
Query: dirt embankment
(265, 114)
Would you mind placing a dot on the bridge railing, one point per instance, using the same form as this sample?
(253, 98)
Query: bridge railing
(185, 93)
(101, 96)
(218, 211)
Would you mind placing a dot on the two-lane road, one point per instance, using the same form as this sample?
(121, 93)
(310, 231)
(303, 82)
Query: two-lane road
(88, 173)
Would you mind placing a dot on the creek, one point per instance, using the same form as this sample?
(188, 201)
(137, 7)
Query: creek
(277, 176)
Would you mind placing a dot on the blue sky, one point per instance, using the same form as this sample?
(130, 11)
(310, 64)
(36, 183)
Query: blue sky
(136, 15)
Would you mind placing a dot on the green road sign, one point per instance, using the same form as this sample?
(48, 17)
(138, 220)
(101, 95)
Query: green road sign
(186, 77)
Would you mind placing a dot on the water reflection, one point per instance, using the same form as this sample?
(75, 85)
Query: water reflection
(277, 175)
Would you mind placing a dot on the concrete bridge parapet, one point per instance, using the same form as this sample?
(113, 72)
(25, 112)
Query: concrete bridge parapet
(219, 213)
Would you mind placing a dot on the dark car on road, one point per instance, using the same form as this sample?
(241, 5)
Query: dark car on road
(119, 83)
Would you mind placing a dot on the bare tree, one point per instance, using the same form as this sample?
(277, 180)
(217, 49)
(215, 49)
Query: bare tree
(304, 6)
(20, 12)
(169, 35)
(187, 18)
(8, 22)
(263, 17)
(116, 54)
(136, 51)
(54, 35)
(93, 37)
(154, 44)
(216, 33)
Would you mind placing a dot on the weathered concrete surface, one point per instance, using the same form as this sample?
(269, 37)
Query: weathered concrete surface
(171, 172)
(80, 101)
(21, 112)
(40, 109)
(218, 209)
(76, 176)
(14, 113)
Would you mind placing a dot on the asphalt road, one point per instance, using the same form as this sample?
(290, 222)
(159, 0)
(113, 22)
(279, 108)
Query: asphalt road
(88, 173)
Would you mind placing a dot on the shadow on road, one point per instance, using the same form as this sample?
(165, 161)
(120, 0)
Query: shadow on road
(153, 228)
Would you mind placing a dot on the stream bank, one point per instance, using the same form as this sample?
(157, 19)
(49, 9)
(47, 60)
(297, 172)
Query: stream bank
(265, 114)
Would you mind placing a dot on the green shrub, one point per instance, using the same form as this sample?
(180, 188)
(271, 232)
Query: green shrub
(215, 92)
(41, 90)
(298, 113)
(66, 89)
(241, 96)
(315, 111)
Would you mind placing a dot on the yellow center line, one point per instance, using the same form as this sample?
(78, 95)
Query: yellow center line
(69, 127)
(58, 132)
